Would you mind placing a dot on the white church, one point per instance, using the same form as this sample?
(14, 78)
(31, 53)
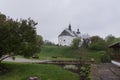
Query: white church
(67, 35)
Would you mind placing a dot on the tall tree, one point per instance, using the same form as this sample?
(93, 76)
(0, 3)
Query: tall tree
(18, 37)
(110, 39)
(75, 43)
(86, 43)
(97, 43)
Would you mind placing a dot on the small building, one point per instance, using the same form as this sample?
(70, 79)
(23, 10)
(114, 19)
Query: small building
(67, 35)
(116, 48)
(116, 55)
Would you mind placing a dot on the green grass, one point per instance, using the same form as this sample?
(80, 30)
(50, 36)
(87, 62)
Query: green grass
(67, 53)
(22, 71)
(60, 52)
(94, 54)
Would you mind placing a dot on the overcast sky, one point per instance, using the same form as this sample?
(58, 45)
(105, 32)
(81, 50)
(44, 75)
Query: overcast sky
(95, 17)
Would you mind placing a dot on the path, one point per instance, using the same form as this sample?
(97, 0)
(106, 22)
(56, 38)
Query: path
(23, 60)
(108, 71)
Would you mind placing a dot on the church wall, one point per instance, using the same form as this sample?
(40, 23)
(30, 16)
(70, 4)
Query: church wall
(65, 40)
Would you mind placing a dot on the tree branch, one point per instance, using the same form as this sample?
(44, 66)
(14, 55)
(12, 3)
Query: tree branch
(6, 56)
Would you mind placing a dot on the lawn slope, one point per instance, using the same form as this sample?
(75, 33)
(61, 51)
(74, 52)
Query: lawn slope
(22, 71)
(57, 51)
(67, 53)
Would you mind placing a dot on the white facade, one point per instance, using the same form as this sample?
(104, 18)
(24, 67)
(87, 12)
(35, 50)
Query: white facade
(65, 40)
(66, 37)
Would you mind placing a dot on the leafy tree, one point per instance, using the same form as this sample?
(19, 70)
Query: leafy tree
(47, 42)
(117, 40)
(75, 43)
(28, 37)
(110, 39)
(18, 37)
(9, 37)
(86, 43)
(97, 43)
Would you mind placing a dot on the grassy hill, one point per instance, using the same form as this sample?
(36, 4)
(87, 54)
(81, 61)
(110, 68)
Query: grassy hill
(67, 53)
(49, 51)
(22, 71)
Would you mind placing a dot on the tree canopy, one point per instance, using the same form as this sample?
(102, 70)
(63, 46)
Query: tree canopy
(97, 43)
(18, 37)
(75, 43)
(110, 39)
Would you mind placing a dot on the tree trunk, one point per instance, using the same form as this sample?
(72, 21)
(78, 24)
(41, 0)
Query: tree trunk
(6, 56)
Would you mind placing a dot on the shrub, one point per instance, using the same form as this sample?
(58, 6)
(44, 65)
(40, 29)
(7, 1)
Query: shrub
(105, 58)
(85, 72)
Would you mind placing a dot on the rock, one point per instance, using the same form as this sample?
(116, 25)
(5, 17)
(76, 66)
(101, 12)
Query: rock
(54, 56)
(33, 78)
(35, 56)
(92, 60)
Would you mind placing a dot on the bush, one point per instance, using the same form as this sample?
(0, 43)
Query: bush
(97, 43)
(85, 72)
(105, 58)
(75, 43)
(98, 46)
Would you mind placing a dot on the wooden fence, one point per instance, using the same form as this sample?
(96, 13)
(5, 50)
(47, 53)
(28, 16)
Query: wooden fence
(71, 62)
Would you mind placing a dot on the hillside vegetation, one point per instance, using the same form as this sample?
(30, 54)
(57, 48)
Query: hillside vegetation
(49, 51)
(67, 53)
